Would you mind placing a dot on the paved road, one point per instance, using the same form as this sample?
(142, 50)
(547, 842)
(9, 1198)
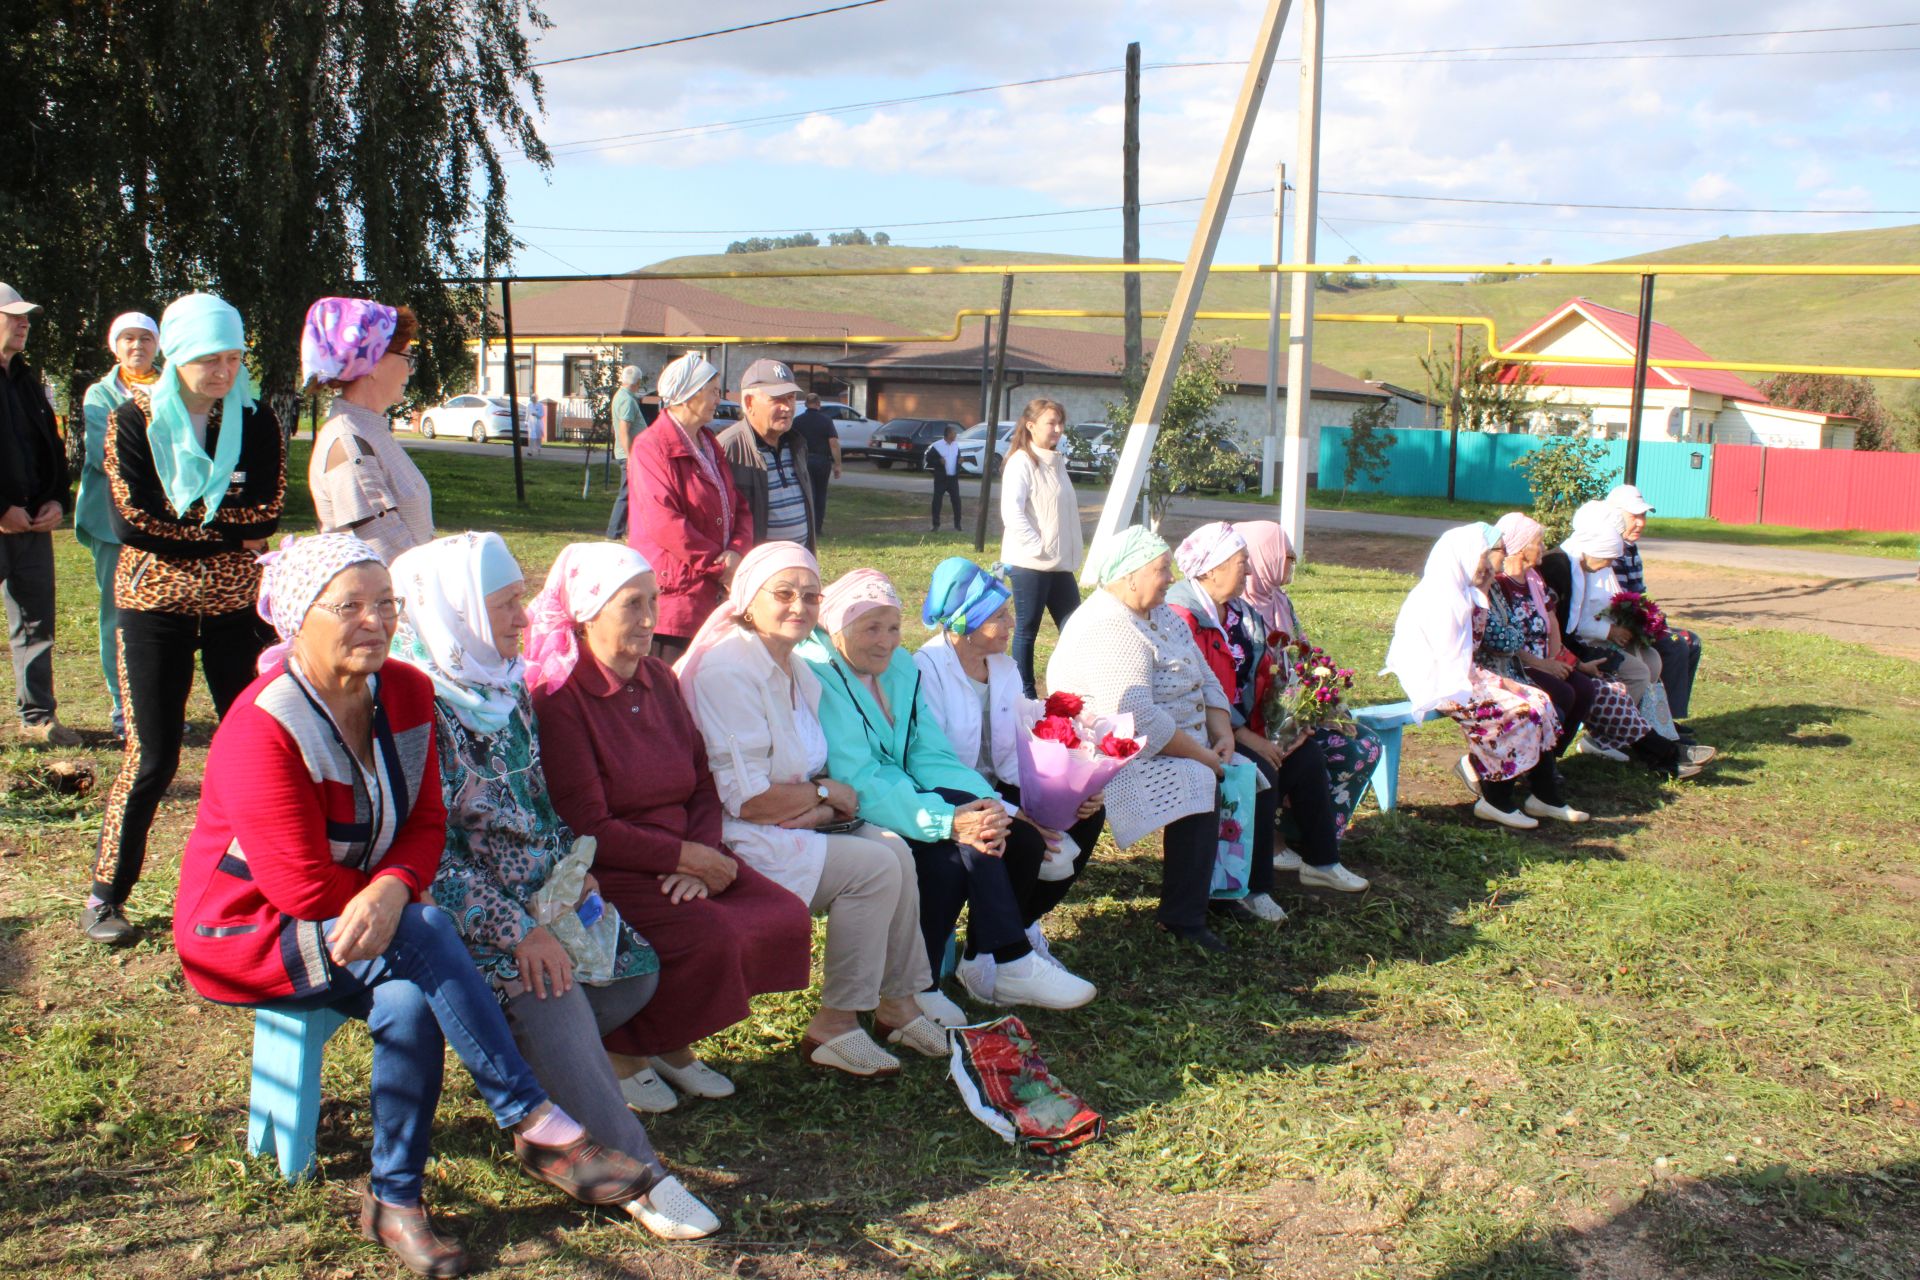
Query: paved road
(1779, 560)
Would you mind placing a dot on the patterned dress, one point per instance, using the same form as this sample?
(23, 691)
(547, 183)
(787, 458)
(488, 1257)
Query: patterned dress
(1514, 624)
(1506, 732)
(503, 841)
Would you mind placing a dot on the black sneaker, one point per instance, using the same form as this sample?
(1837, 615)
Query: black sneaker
(1198, 935)
(1232, 909)
(105, 922)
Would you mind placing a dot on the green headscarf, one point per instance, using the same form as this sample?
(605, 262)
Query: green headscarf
(1130, 549)
(192, 327)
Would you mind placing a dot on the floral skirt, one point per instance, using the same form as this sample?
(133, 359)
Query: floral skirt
(1352, 751)
(1506, 732)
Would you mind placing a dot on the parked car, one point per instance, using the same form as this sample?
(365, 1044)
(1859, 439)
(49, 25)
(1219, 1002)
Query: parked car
(1092, 449)
(1246, 471)
(724, 412)
(973, 443)
(855, 429)
(906, 440)
(478, 418)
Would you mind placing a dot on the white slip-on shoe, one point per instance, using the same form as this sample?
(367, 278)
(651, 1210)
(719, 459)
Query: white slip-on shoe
(672, 1212)
(1333, 876)
(978, 975)
(1287, 860)
(1031, 980)
(1565, 813)
(696, 1078)
(1688, 770)
(1696, 753)
(1517, 820)
(1586, 746)
(923, 1035)
(851, 1053)
(1464, 767)
(1265, 908)
(644, 1090)
(944, 1012)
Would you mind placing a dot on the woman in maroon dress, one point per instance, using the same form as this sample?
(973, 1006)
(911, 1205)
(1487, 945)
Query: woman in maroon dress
(625, 764)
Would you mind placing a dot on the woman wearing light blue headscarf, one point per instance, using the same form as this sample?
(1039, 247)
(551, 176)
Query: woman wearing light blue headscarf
(196, 472)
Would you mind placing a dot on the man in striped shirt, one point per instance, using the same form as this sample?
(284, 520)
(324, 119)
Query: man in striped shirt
(769, 458)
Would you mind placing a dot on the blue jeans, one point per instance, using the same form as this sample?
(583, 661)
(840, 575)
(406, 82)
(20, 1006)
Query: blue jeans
(1053, 590)
(418, 996)
(1680, 661)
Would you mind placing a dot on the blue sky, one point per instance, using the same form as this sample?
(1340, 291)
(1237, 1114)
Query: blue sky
(1827, 130)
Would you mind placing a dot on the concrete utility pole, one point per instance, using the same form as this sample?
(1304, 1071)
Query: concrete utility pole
(1306, 216)
(1130, 218)
(1271, 443)
(1131, 472)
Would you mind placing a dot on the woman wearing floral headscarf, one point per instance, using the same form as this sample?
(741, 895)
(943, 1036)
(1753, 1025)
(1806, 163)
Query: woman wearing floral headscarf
(362, 481)
(196, 470)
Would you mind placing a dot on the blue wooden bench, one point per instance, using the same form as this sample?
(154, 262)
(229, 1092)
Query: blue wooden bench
(1386, 721)
(283, 1112)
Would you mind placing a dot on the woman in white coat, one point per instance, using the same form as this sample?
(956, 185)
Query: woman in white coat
(1041, 544)
(973, 689)
(756, 708)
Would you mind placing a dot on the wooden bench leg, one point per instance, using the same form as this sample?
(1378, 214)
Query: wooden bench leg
(1386, 774)
(283, 1111)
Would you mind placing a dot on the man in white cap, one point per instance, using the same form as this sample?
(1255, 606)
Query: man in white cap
(628, 423)
(1679, 649)
(134, 339)
(34, 498)
(769, 458)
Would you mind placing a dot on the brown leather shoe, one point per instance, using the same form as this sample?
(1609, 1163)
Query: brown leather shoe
(409, 1236)
(585, 1170)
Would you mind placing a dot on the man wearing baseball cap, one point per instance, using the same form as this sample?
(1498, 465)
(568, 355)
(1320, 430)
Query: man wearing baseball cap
(33, 501)
(1679, 649)
(769, 458)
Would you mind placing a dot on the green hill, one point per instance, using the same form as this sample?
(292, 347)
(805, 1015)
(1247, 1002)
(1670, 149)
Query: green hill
(1835, 320)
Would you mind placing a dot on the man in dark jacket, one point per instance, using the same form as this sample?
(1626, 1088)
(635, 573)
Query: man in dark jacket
(815, 428)
(34, 497)
(769, 458)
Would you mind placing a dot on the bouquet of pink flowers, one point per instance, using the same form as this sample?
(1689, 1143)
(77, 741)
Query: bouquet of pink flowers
(1305, 691)
(1067, 755)
(1639, 615)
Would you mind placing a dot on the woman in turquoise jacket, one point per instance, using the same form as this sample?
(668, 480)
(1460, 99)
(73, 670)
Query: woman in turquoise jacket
(884, 742)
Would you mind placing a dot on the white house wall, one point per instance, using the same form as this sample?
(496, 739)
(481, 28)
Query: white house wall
(1741, 423)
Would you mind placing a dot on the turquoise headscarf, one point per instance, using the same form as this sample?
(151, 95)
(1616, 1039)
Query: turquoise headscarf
(192, 327)
(962, 596)
(1130, 549)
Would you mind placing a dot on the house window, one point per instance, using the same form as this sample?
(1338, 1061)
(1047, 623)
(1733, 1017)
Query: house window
(522, 375)
(579, 375)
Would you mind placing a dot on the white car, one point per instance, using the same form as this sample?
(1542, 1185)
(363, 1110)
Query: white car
(477, 418)
(854, 428)
(973, 440)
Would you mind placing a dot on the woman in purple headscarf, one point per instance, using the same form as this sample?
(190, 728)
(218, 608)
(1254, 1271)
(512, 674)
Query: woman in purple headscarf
(362, 481)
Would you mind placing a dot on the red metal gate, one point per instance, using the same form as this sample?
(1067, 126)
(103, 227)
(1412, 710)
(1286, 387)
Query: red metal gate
(1738, 470)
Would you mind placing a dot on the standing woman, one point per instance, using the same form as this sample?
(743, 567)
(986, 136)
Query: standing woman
(685, 517)
(362, 481)
(197, 473)
(134, 340)
(1040, 541)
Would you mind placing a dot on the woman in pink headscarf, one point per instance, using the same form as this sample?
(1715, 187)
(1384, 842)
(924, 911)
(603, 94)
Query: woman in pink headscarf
(1351, 752)
(626, 764)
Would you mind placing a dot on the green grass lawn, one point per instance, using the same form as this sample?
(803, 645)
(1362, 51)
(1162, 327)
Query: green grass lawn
(1678, 1041)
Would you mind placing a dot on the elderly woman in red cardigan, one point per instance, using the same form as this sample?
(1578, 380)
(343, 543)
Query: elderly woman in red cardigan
(320, 826)
(626, 765)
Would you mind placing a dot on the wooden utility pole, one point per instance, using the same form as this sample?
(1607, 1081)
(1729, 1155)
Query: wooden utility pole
(1130, 218)
(1131, 472)
(1643, 338)
(513, 393)
(988, 453)
(1270, 446)
(1306, 218)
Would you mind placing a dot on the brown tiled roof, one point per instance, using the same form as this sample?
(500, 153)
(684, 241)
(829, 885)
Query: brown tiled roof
(636, 307)
(1035, 349)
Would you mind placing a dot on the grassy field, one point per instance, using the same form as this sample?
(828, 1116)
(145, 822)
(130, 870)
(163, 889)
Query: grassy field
(1679, 1041)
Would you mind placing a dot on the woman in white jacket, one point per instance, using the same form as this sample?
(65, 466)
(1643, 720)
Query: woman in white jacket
(1040, 543)
(973, 690)
(756, 708)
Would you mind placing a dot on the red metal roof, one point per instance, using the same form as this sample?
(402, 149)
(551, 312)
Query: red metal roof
(637, 307)
(1664, 343)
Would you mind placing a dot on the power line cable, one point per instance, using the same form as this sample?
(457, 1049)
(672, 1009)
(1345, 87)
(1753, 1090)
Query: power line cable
(707, 35)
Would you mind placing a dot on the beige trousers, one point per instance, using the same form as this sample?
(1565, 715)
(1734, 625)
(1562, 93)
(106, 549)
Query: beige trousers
(1638, 670)
(870, 895)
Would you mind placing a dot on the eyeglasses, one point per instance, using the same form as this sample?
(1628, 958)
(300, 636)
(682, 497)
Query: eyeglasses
(412, 358)
(386, 609)
(787, 595)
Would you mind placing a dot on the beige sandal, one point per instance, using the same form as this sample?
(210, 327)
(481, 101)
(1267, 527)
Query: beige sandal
(922, 1035)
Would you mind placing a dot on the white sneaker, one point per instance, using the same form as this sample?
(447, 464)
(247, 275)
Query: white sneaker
(978, 977)
(1333, 876)
(1586, 746)
(696, 1078)
(1038, 941)
(1465, 769)
(672, 1212)
(1287, 860)
(1266, 908)
(1517, 820)
(1565, 813)
(943, 1011)
(1031, 980)
(644, 1090)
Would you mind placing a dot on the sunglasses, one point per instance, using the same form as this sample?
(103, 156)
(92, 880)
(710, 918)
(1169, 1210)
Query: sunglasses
(784, 596)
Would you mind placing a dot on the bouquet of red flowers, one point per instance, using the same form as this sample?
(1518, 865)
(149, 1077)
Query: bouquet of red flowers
(1068, 755)
(1307, 691)
(1639, 615)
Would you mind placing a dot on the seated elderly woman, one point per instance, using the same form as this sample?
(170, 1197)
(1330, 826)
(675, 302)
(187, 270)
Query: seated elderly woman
(1233, 641)
(465, 613)
(1124, 650)
(787, 817)
(319, 830)
(630, 770)
(1509, 726)
(885, 742)
(1351, 750)
(972, 687)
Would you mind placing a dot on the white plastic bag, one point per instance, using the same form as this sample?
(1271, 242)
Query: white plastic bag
(591, 931)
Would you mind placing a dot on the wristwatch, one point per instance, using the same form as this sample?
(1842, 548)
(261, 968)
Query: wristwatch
(820, 789)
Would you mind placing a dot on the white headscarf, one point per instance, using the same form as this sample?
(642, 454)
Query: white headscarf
(293, 577)
(1596, 533)
(683, 377)
(1432, 649)
(446, 632)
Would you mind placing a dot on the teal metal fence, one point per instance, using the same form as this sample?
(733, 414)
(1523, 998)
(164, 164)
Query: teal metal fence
(1676, 478)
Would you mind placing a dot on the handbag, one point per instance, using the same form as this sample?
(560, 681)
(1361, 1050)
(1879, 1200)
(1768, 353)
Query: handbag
(1233, 857)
